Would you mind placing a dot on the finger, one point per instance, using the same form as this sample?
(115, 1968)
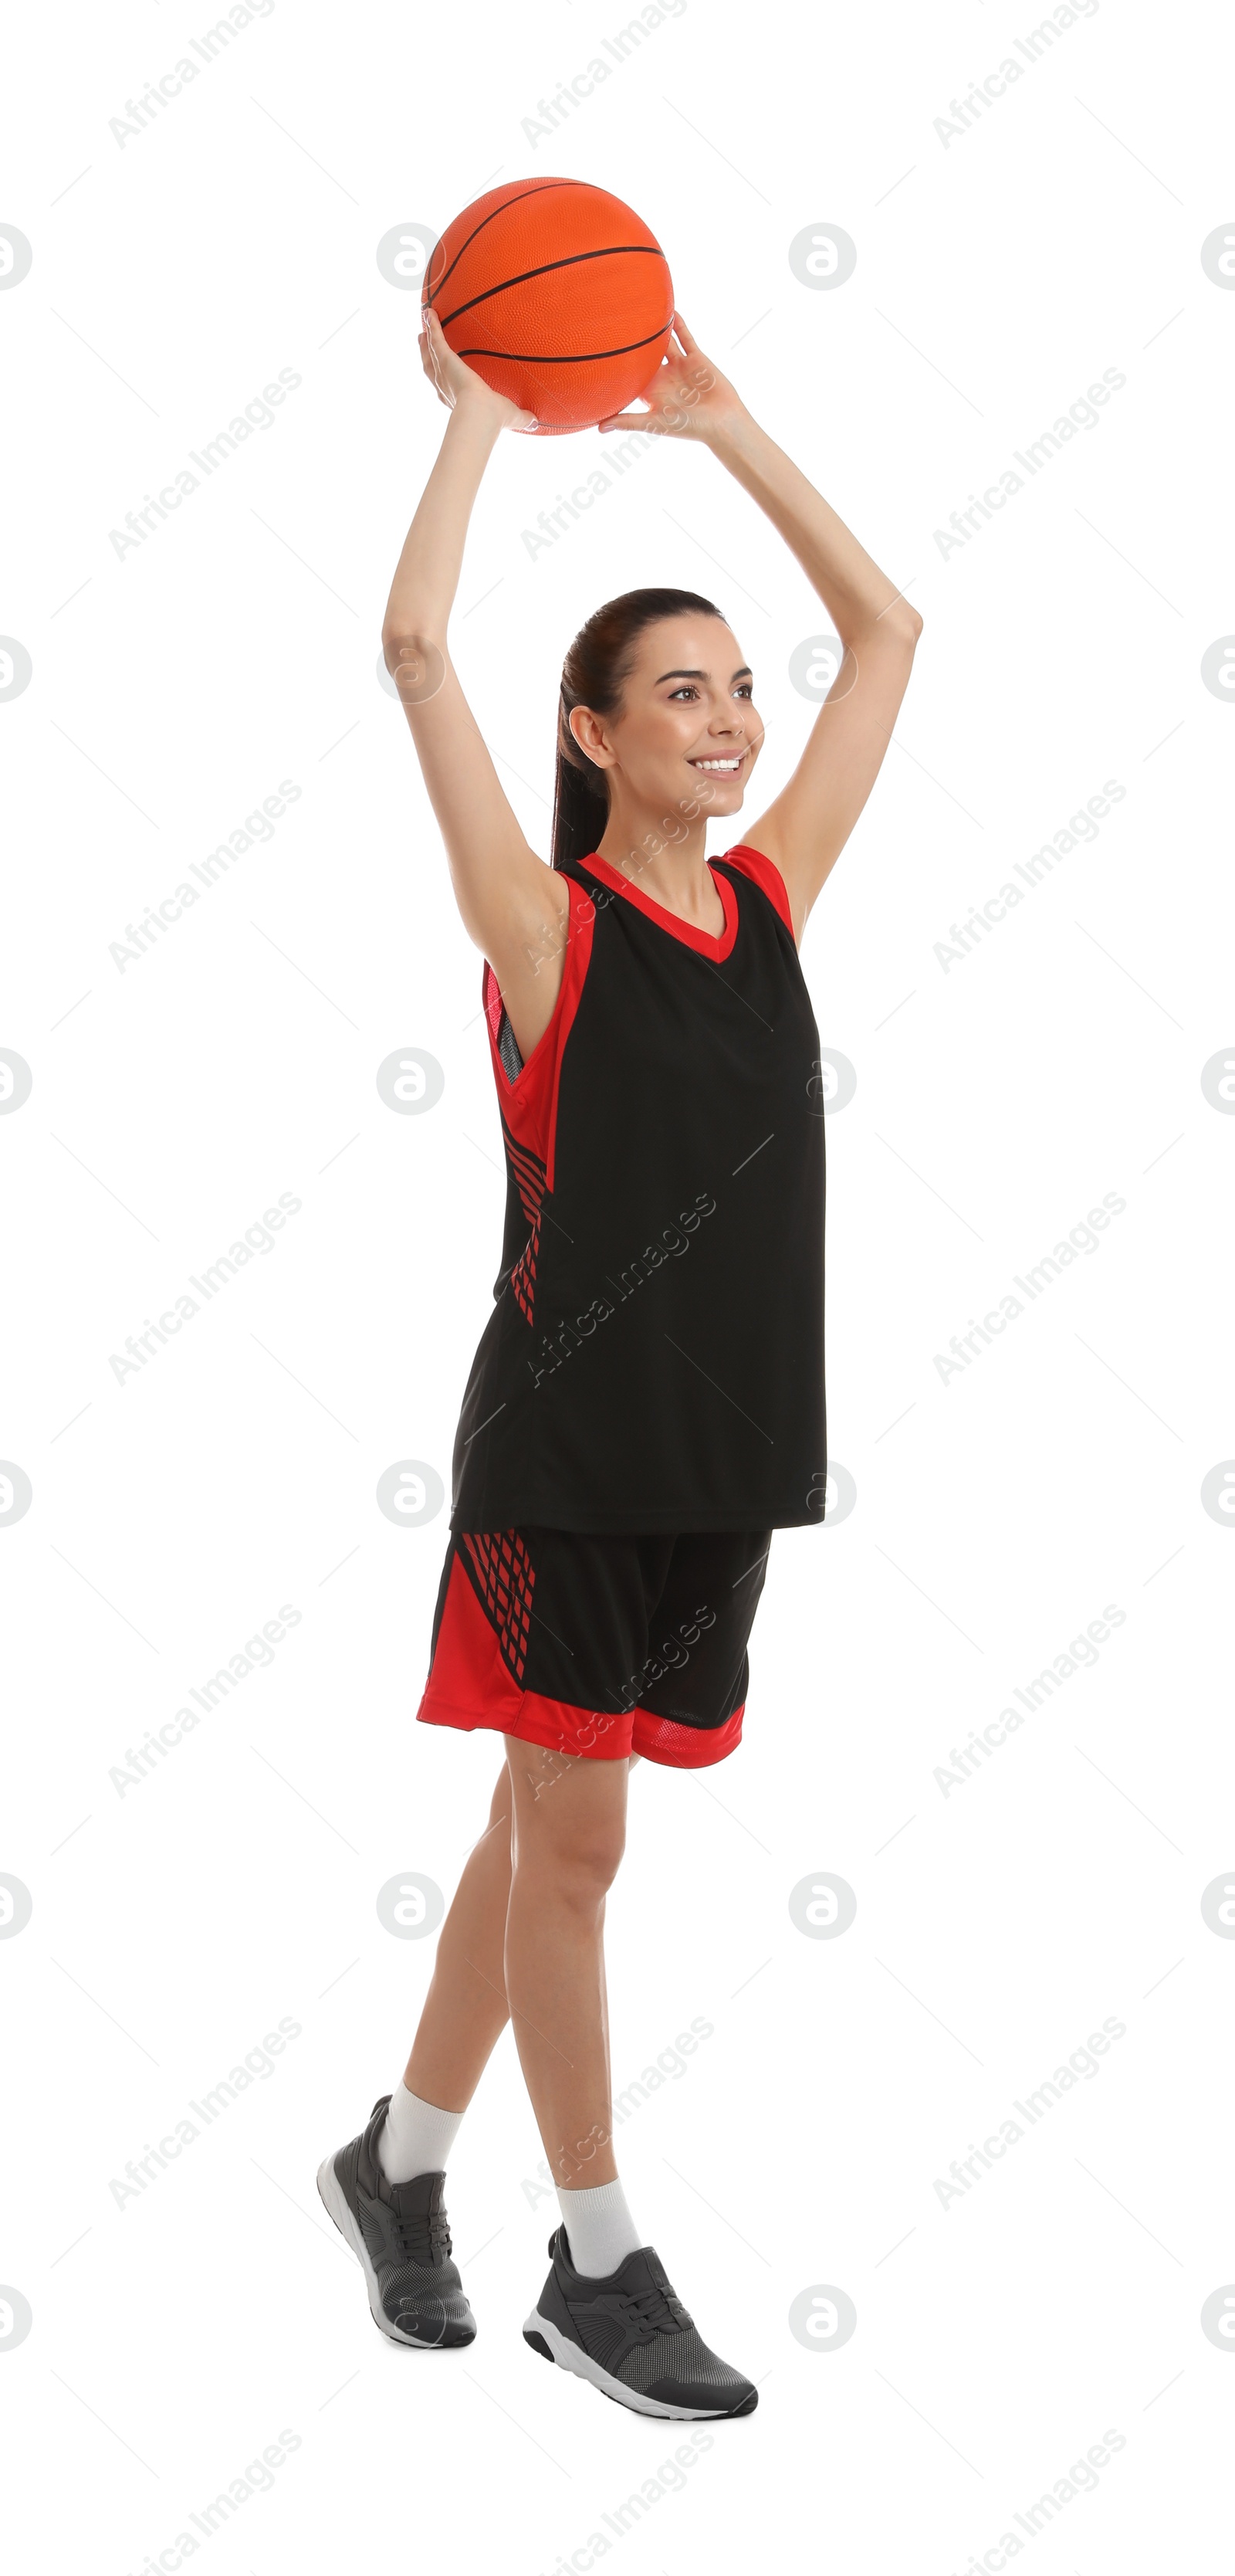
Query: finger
(629, 420)
(683, 331)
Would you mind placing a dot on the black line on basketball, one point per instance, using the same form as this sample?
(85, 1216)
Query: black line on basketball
(612, 250)
(574, 358)
(537, 189)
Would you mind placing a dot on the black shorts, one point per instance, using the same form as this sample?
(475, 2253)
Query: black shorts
(598, 1646)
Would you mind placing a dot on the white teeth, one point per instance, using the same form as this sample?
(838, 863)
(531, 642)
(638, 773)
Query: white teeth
(723, 765)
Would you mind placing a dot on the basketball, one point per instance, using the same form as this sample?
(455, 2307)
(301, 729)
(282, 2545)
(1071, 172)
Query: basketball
(558, 295)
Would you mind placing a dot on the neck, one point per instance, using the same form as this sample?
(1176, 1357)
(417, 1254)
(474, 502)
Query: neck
(672, 870)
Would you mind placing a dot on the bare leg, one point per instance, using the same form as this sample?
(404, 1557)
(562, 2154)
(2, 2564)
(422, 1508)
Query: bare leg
(567, 1837)
(465, 2010)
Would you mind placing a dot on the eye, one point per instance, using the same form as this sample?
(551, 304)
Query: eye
(687, 690)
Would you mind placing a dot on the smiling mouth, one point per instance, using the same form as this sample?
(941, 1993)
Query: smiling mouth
(724, 765)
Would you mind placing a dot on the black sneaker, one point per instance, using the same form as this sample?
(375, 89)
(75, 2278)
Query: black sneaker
(401, 2234)
(632, 2337)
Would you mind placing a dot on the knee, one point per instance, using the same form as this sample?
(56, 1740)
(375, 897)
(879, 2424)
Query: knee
(587, 1869)
(579, 1866)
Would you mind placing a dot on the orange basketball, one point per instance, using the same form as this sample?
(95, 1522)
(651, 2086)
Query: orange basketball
(558, 295)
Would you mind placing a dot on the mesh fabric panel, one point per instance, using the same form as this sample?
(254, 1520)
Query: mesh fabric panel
(684, 2358)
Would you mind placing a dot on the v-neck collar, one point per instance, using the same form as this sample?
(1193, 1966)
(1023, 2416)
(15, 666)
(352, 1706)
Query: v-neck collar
(707, 943)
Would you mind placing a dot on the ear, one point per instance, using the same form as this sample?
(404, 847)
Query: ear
(589, 734)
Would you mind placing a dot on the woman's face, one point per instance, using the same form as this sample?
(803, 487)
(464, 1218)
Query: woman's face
(687, 734)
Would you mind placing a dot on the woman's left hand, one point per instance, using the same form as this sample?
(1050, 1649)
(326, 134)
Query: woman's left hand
(687, 397)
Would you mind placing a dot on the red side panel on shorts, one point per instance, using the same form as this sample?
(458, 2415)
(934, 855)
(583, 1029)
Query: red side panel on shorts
(470, 1683)
(761, 872)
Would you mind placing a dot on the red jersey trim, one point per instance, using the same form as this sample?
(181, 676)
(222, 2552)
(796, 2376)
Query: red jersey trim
(766, 876)
(702, 940)
(529, 1103)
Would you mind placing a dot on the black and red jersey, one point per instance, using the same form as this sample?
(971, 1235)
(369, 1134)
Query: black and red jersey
(654, 1359)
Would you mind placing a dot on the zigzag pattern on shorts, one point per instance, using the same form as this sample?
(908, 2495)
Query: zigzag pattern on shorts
(506, 1576)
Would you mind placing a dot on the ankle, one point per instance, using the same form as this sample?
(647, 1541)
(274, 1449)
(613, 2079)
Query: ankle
(415, 2137)
(600, 2231)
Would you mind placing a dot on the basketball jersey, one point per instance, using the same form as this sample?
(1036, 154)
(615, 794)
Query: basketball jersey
(654, 1359)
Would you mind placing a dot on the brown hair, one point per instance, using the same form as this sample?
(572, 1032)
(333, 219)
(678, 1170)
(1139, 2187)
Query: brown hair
(594, 674)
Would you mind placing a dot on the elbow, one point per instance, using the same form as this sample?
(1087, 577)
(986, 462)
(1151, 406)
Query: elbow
(895, 628)
(415, 658)
(406, 636)
(905, 623)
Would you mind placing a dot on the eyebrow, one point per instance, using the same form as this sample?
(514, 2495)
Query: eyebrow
(745, 673)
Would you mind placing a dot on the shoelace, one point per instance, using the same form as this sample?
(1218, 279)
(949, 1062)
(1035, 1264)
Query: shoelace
(424, 2240)
(654, 2311)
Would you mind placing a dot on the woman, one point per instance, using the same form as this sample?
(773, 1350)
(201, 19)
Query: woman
(646, 1405)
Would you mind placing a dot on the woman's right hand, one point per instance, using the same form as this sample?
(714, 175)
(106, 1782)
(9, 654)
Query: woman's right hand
(459, 386)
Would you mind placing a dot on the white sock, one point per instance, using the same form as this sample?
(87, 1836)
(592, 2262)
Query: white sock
(416, 2137)
(599, 2228)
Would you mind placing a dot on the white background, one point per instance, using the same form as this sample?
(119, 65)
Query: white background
(997, 276)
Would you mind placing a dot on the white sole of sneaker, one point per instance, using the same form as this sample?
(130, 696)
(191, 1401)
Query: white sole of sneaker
(568, 2356)
(337, 2208)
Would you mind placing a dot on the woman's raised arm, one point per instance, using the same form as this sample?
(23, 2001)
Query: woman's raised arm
(513, 905)
(805, 828)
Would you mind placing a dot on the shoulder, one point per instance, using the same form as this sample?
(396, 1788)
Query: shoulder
(762, 872)
(585, 894)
